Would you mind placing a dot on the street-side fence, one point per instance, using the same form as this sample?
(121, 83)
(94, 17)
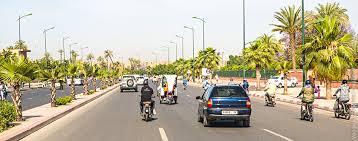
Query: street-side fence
(265, 74)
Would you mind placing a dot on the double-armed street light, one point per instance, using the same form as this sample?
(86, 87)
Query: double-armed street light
(176, 50)
(182, 45)
(45, 32)
(19, 20)
(202, 19)
(63, 47)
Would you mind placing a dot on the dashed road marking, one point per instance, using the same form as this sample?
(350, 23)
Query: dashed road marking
(163, 135)
(29, 98)
(188, 95)
(276, 134)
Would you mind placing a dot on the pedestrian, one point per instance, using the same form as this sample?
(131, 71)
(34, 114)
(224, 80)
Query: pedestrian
(317, 91)
(3, 91)
(217, 78)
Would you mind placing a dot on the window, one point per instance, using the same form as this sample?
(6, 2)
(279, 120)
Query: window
(228, 91)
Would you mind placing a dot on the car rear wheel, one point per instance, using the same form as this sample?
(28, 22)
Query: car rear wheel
(206, 122)
(246, 123)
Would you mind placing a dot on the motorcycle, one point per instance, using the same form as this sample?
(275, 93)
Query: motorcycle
(185, 85)
(307, 112)
(147, 111)
(343, 110)
(270, 100)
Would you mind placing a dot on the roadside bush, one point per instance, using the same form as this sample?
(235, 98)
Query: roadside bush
(103, 87)
(7, 115)
(90, 92)
(63, 100)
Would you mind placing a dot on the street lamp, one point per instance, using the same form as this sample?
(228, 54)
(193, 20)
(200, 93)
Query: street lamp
(63, 47)
(19, 19)
(182, 45)
(176, 50)
(244, 31)
(45, 31)
(303, 43)
(156, 58)
(71, 49)
(168, 51)
(202, 19)
(192, 30)
(82, 52)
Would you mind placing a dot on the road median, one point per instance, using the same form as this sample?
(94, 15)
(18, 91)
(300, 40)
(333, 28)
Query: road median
(41, 116)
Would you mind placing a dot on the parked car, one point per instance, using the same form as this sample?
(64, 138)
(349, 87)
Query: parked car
(78, 81)
(279, 81)
(129, 83)
(224, 102)
(140, 80)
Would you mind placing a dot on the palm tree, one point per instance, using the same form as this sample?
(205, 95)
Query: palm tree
(15, 71)
(86, 70)
(72, 72)
(60, 51)
(327, 52)
(74, 56)
(90, 57)
(333, 10)
(53, 74)
(108, 54)
(261, 54)
(283, 67)
(209, 58)
(290, 22)
(101, 62)
(95, 74)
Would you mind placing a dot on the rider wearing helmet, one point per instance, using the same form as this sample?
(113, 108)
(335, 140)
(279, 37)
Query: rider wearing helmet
(344, 93)
(270, 90)
(307, 92)
(146, 95)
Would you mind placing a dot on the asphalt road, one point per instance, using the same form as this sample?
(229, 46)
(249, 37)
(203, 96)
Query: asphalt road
(115, 116)
(32, 98)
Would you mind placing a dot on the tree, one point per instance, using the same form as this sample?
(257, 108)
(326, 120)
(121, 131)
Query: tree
(208, 59)
(135, 63)
(261, 53)
(108, 54)
(333, 10)
(74, 56)
(86, 71)
(290, 22)
(327, 52)
(53, 74)
(72, 72)
(90, 57)
(15, 71)
(101, 62)
(95, 74)
(354, 46)
(283, 67)
(60, 51)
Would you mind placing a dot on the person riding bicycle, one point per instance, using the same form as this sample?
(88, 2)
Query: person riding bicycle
(270, 90)
(344, 94)
(146, 96)
(307, 92)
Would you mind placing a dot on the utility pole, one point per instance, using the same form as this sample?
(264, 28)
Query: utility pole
(202, 19)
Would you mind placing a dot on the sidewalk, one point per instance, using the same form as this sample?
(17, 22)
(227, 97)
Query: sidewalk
(293, 92)
(41, 116)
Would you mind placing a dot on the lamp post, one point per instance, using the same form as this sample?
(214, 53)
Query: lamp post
(156, 58)
(182, 45)
(168, 51)
(82, 52)
(244, 31)
(193, 71)
(45, 31)
(303, 43)
(71, 49)
(19, 19)
(176, 50)
(63, 47)
(202, 19)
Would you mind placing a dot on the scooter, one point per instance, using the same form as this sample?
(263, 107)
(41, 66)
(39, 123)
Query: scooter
(270, 100)
(147, 111)
(307, 112)
(343, 110)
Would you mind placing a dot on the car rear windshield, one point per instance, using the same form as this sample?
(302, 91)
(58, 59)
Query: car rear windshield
(228, 91)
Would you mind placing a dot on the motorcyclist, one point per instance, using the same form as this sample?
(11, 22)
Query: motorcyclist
(245, 85)
(185, 82)
(344, 94)
(270, 91)
(307, 92)
(146, 95)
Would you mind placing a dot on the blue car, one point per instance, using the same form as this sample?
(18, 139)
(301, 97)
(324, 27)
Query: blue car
(224, 102)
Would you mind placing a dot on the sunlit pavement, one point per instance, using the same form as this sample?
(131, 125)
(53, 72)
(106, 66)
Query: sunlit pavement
(116, 117)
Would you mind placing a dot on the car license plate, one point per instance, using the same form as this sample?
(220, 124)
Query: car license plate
(229, 112)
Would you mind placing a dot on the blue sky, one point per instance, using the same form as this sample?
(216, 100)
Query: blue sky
(136, 28)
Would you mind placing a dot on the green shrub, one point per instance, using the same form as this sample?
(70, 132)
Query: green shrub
(7, 114)
(90, 92)
(63, 100)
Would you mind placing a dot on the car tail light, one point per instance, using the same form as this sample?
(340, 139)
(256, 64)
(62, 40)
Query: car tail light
(248, 103)
(210, 103)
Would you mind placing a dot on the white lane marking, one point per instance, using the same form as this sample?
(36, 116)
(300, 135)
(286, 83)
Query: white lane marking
(29, 98)
(163, 135)
(188, 95)
(276, 134)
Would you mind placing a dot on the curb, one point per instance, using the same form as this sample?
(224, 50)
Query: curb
(40, 124)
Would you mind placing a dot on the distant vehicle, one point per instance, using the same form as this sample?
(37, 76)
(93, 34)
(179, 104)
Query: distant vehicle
(129, 83)
(224, 102)
(279, 81)
(167, 89)
(140, 80)
(77, 81)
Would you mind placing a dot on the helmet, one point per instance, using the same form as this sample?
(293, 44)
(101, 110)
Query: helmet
(308, 82)
(344, 82)
(145, 82)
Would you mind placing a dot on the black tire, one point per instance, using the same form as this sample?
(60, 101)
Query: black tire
(336, 114)
(246, 123)
(280, 85)
(302, 114)
(348, 114)
(121, 90)
(311, 118)
(175, 100)
(136, 90)
(206, 122)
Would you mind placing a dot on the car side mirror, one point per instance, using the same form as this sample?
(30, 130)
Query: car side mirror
(198, 97)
